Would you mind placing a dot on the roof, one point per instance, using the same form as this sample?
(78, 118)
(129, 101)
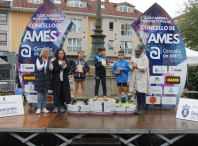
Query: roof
(5, 4)
(110, 8)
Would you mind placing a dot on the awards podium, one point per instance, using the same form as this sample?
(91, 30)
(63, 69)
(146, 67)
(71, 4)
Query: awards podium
(100, 108)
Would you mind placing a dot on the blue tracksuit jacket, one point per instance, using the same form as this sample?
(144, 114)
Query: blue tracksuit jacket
(123, 76)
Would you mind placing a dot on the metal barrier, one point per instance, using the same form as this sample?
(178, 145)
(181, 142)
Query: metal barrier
(7, 85)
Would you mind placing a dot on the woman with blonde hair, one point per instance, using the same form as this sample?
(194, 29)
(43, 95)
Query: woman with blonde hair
(43, 81)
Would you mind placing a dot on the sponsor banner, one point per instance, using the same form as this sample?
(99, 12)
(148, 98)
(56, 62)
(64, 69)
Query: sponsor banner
(170, 90)
(187, 109)
(30, 89)
(152, 99)
(164, 48)
(11, 105)
(27, 67)
(156, 89)
(157, 79)
(28, 78)
(159, 69)
(175, 69)
(33, 98)
(48, 28)
(172, 80)
(169, 100)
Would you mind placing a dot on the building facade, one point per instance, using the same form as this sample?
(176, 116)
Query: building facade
(116, 25)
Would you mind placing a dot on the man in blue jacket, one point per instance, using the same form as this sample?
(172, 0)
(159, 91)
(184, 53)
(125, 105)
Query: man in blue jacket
(121, 69)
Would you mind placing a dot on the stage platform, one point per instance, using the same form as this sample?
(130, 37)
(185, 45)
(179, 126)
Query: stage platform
(154, 121)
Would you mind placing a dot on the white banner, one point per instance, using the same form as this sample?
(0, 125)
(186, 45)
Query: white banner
(11, 105)
(33, 98)
(187, 109)
(169, 100)
(157, 79)
(152, 99)
(156, 89)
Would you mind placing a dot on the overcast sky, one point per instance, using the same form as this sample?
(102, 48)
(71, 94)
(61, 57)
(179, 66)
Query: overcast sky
(170, 6)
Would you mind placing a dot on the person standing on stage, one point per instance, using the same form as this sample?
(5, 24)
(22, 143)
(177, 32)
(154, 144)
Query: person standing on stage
(140, 78)
(121, 69)
(61, 87)
(43, 81)
(80, 67)
(100, 63)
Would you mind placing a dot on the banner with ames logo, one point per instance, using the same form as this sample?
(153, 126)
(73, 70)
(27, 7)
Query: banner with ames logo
(166, 52)
(48, 27)
(187, 109)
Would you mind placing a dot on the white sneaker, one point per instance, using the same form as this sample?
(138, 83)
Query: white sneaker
(38, 111)
(45, 111)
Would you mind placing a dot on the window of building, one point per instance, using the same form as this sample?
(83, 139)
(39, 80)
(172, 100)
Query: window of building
(102, 7)
(78, 4)
(125, 8)
(110, 26)
(35, 1)
(126, 47)
(3, 18)
(74, 45)
(77, 26)
(57, 1)
(126, 29)
(93, 23)
(111, 44)
(3, 37)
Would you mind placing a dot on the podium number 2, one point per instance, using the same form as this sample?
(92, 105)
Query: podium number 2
(102, 106)
(79, 108)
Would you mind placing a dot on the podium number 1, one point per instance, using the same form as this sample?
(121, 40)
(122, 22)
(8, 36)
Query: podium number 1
(102, 106)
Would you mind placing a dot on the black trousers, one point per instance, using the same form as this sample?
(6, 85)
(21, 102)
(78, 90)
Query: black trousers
(61, 98)
(101, 77)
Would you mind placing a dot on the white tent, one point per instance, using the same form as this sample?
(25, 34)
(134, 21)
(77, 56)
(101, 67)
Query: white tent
(192, 57)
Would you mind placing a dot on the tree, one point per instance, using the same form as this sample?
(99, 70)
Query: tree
(188, 24)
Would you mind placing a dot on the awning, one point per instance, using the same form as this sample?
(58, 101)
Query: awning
(4, 65)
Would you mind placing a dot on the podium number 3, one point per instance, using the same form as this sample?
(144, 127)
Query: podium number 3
(102, 106)
(79, 108)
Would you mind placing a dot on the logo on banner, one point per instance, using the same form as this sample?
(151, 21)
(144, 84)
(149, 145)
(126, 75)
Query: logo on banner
(49, 99)
(156, 89)
(27, 67)
(28, 78)
(170, 90)
(155, 52)
(174, 69)
(153, 100)
(4, 98)
(157, 79)
(172, 80)
(26, 51)
(185, 111)
(159, 69)
(168, 100)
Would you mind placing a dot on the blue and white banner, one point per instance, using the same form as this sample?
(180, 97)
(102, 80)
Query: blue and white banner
(48, 27)
(166, 52)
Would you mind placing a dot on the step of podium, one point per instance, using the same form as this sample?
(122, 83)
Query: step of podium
(78, 109)
(125, 111)
(101, 107)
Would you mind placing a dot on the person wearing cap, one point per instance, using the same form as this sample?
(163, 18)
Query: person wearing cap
(140, 78)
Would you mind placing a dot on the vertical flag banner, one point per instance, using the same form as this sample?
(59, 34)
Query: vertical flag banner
(48, 27)
(166, 52)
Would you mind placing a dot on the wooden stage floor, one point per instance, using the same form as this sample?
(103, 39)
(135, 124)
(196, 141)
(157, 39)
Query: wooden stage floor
(154, 121)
